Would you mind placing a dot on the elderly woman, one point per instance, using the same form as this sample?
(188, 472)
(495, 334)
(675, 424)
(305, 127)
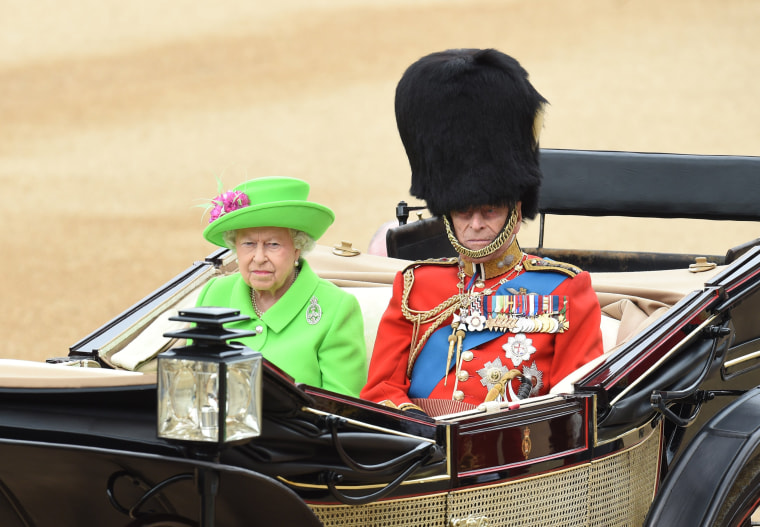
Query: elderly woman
(306, 326)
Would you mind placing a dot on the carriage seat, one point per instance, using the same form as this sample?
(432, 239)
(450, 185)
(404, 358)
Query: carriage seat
(629, 302)
(138, 354)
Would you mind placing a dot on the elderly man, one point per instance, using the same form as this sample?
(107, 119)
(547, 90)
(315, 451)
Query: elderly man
(494, 323)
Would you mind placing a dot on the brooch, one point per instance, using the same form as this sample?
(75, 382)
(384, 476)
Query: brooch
(314, 311)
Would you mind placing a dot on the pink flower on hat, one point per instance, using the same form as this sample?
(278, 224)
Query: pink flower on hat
(227, 202)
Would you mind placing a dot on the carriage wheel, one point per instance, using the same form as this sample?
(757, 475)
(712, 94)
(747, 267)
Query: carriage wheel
(716, 481)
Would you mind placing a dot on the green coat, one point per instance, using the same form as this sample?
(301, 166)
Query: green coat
(327, 351)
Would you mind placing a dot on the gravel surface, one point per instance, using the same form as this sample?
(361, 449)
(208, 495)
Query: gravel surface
(116, 119)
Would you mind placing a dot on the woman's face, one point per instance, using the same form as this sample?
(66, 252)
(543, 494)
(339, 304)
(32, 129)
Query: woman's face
(266, 257)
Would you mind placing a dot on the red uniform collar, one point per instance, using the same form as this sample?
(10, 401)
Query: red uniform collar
(497, 267)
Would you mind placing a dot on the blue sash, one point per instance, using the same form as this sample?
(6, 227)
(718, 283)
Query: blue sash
(430, 363)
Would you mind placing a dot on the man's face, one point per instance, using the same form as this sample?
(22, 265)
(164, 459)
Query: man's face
(476, 227)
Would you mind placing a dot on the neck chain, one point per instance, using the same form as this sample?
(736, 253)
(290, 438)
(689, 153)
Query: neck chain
(256, 310)
(504, 235)
(467, 296)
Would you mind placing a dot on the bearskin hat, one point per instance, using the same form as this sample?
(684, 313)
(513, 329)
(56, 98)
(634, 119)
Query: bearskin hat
(466, 118)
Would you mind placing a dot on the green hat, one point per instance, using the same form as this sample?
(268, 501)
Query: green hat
(267, 202)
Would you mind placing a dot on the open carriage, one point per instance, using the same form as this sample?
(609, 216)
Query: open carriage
(663, 429)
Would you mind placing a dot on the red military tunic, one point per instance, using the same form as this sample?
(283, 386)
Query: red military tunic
(431, 286)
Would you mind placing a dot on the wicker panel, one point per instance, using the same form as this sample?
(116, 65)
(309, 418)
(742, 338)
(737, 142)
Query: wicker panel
(411, 512)
(622, 486)
(615, 491)
(560, 498)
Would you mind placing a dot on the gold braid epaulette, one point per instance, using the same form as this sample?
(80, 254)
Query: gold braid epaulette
(540, 264)
(435, 316)
(433, 261)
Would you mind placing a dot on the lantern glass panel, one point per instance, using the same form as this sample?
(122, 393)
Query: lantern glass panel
(244, 399)
(188, 399)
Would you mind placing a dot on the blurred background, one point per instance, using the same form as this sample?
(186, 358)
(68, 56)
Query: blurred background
(117, 119)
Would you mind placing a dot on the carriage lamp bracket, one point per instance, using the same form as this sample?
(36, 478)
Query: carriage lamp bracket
(415, 458)
(715, 331)
(402, 211)
(332, 479)
(662, 400)
(335, 422)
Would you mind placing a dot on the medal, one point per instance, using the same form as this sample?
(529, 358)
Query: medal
(526, 313)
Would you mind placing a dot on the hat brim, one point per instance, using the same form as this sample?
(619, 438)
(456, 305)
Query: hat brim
(311, 218)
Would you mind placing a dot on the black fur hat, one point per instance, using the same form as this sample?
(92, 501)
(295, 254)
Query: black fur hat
(466, 118)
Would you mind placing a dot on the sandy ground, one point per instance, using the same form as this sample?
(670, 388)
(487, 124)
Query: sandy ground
(116, 118)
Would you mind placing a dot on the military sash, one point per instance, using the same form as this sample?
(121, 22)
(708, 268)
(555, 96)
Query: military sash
(427, 371)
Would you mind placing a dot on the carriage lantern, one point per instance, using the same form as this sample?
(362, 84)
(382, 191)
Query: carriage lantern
(209, 392)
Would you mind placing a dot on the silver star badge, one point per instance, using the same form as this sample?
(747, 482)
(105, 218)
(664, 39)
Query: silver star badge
(491, 373)
(519, 348)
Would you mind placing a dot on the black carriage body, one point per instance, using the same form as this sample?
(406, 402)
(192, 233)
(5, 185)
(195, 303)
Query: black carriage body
(596, 454)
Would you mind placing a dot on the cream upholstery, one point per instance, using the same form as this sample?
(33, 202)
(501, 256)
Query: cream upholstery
(30, 374)
(373, 301)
